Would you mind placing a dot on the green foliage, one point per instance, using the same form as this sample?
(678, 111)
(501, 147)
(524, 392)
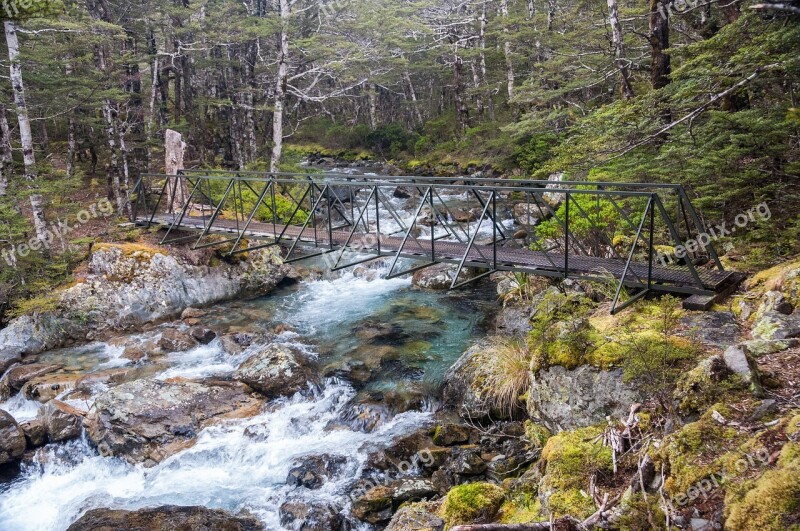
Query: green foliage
(653, 353)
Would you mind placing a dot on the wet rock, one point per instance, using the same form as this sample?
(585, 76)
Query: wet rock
(440, 276)
(35, 432)
(12, 439)
(364, 417)
(47, 387)
(564, 399)
(174, 340)
(149, 420)
(462, 216)
(134, 353)
(416, 517)
(514, 320)
(530, 214)
(164, 518)
(411, 489)
(402, 192)
(18, 376)
(468, 462)
(61, 421)
(277, 370)
(106, 377)
(450, 434)
(312, 472)
(202, 335)
(128, 286)
(310, 516)
(375, 506)
(8, 357)
(236, 343)
(380, 333)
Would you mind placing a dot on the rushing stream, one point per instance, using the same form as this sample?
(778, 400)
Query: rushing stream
(243, 464)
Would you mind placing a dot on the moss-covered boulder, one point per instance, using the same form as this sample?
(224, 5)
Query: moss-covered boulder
(571, 458)
(471, 503)
(417, 517)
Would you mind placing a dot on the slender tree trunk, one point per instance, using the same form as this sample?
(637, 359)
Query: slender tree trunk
(531, 9)
(660, 68)
(372, 95)
(280, 87)
(507, 51)
(122, 130)
(551, 14)
(476, 81)
(462, 111)
(109, 113)
(71, 148)
(6, 160)
(28, 155)
(413, 94)
(616, 35)
(482, 45)
(250, 126)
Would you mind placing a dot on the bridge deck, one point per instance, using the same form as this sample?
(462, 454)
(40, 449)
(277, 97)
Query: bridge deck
(510, 259)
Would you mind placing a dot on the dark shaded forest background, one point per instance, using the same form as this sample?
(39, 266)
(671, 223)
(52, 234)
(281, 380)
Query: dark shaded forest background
(698, 93)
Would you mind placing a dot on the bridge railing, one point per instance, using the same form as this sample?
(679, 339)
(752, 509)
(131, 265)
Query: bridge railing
(563, 229)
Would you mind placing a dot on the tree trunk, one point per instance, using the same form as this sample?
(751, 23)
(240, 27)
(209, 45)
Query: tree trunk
(122, 130)
(507, 51)
(476, 80)
(482, 44)
(551, 14)
(372, 94)
(6, 161)
(413, 94)
(28, 155)
(659, 42)
(71, 148)
(280, 88)
(616, 35)
(462, 112)
(109, 113)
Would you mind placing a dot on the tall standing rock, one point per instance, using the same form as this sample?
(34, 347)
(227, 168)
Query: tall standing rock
(12, 438)
(174, 150)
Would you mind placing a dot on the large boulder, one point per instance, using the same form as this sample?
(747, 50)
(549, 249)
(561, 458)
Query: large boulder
(166, 518)
(18, 375)
(61, 421)
(49, 386)
(149, 420)
(416, 516)
(130, 285)
(530, 214)
(277, 370)
(8, 357)
(12, 438)
(564, 399)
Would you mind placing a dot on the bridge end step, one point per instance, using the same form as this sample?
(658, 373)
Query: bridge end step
(705, 302)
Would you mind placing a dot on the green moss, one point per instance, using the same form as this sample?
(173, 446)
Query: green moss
(773, 504)
(638, 514)
(572, 457)
(521, 510)
(536, 434)
(691, 453)
(35, 305)
(470, 502)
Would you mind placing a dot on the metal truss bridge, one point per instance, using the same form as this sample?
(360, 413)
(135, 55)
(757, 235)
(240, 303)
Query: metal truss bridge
(620, 232)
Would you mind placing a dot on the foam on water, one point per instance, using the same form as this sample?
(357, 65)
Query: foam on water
(239, 465)
(20, 408)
